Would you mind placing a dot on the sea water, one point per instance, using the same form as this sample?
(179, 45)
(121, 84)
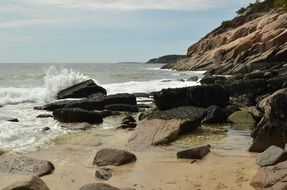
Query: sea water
(24, 86)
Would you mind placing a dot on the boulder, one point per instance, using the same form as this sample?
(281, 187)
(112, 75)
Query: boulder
(7, 118)
(76, 115)
(104, 173)
(115, 157)
(45, 129)
(207, 79)
(165, 126)
(246, 100)
(271, 156)
(77, 126)
(256, 87)
(44, 116)
(81, 90)
(271, 177)
(2, 152)
(271, 130)
(194, 153)
(25, 165)
(242, 120)
(128, 123)
(98, 186)
(215, 115)
(28, 183)
(230, 109)
(122, 107)
(129, 99)
(199, 96)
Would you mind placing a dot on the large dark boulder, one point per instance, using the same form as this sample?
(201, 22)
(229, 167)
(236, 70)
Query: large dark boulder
(122, 107)
(76, 115)
(28, 183)
(272, 129)
(81, 90)
(215, 115)
(199, 96)
(207, 79)
(254, 86)
(129, 99)
(25, 165)
(114, 157)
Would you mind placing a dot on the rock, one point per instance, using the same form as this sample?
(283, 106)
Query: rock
(45, 129)
(104, 113)
(87, 104)
(76, 115)
(122, 107)
(193, 79)
(44, 116)
(104, 173)
(255, 87)
(25, 165)
(194, 153)
(98, 186)
(11, 119)
(166, 59)
(271, 130)
(141, 95)
(2, 152)
(215, 115)
(81, 90)
(115, 157)
(128, 119)
(199, 96)
(128, 123)
(246, 100)
(165, 126)
(272, 177)
(273, 155)
(129, 99)
(28, 183)
(230, 109)
(242, 120)
(207, 79)
(77, 126)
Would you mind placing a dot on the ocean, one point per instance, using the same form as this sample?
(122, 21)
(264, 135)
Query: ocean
(24, 86)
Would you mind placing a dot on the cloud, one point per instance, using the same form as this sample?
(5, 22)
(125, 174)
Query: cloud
(19, 23)
(124, 5)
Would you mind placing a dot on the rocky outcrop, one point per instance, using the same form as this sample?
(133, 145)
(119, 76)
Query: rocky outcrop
(25, 165)
(81, 90)
(28, 183)
(273, 155)
(114, 157)
(244, 44)
(76, 115)
(167, 59)
(271, 130)
(199, 96)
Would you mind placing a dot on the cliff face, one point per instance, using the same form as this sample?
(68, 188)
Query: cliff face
(167, 59)
(246, 43)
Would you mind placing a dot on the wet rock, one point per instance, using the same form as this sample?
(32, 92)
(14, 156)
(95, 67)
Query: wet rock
(28, 183)
(255, 87)
(98, 186)
(2, 152)
(193, 79)
(194, 153)
(104, 113)
(165, 126)
(215, 115)
(77, 126)
(129, 99)
(104, 173)
(230, 109)
(81, 90)
(25, 165)
(11, 119)
(115, 157)
(200, 96)
(273, 155)
(45, 129)
(242, 120)
(76, 115)
(207, 79)
(272, 177)
(44, 116)
(128, 122)
(122, 107)
(271, 130)
(141, 95)
(246, 100)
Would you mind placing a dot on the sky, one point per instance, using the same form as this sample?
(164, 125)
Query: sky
(105, 31)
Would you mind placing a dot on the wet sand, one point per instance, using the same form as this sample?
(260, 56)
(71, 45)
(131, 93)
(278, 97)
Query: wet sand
(228, 166)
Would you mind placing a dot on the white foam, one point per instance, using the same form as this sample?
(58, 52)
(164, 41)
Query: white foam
(146, 86)
(54, 81)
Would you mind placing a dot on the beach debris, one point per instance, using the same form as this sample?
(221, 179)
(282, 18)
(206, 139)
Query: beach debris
(28, 182)
(271, 156)
(25, 165)
(115, 157)
(104, 173)
(194, 153)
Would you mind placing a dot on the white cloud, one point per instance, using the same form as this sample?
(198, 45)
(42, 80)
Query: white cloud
(18, 23)
(141, 4)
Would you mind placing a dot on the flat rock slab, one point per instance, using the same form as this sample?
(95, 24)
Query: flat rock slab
(271, 177)
(273, 155)
(25, 165)
(27, 183)
(77, 126)
(115, 157)
(194, 153)
(242, 120)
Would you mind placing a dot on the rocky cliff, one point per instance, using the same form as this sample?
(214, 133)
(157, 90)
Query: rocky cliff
(167, 59)
(249, 42)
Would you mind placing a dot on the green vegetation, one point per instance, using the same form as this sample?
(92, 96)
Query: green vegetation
(263, 6)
